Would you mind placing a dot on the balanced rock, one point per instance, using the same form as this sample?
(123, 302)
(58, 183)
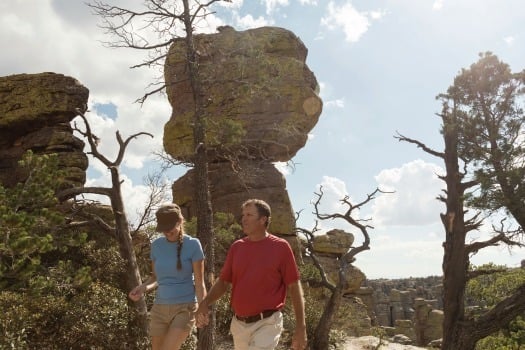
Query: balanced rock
(261, 98)
(35, 112)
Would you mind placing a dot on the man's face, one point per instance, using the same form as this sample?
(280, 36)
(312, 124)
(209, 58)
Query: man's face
(251, 221)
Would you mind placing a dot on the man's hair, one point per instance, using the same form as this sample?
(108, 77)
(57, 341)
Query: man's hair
(263, 209)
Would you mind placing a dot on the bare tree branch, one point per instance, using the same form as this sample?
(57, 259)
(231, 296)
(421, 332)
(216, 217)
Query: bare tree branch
(75, 191)
(156, 195)
(420, 145)
(345, 261)
(309, 242)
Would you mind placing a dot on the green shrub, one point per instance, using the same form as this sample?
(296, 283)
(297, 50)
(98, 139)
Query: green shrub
(96, 318)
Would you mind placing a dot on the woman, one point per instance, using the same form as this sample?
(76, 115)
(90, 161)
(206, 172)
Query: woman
(178, 272)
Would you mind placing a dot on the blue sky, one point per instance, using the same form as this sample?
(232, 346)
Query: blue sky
(380, 64)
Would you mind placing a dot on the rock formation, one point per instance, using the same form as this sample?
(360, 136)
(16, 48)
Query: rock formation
(35, 114)
(261, 104)
(428, 321)
(328, 249)
(409, 307)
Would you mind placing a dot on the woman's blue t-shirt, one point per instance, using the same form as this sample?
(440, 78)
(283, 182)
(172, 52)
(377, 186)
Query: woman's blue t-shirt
(175, 286)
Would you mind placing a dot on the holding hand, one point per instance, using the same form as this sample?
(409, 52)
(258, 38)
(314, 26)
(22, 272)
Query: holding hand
(202, 315)
(136, 293)
(299, 340)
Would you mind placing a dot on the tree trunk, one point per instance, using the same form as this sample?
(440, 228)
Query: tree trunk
(455, 258)
(322, 331)
(460, 340)
(139, 319)
(205, 235)
(202, 194)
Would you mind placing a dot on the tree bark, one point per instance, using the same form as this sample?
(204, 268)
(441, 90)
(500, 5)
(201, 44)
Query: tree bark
(139, 321)
(322, 331)
(204, 213)
(455, 258)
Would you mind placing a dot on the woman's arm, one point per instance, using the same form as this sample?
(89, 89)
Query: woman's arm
(149, 284)
(198, 274)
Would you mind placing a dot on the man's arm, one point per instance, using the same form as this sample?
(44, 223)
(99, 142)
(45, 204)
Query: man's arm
(295, 290)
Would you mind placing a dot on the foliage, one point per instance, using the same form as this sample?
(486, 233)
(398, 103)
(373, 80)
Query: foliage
(511, 338)
(58, 283)
(489, 98)
(483, 124)
(487, 291)
(226, 231)
(380, 333)
(32, 231)
(52, 321)
(224, 314)
(310, 273)
(346, 321)
(61, 309)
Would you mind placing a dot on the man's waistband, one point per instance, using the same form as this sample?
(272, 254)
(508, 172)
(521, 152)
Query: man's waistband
(255, 318)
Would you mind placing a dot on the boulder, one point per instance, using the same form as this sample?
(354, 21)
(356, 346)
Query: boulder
(261, 98)
(335, 241)
(35, 112)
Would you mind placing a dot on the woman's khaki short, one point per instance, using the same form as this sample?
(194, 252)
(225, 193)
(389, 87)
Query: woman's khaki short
(164, 317)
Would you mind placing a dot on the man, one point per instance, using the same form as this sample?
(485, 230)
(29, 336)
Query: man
(261, 269)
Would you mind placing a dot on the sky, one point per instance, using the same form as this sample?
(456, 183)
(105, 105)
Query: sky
(379, 63)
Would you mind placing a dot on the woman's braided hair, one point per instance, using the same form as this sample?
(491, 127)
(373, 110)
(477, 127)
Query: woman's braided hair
(179, 247)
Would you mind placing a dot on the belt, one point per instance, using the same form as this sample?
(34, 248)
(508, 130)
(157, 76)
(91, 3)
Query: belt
(255, 318)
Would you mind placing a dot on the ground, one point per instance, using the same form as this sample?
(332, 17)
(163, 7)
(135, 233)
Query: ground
(361, 343)
(370, 343)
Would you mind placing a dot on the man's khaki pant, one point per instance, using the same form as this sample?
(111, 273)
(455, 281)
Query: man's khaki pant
(263, 334)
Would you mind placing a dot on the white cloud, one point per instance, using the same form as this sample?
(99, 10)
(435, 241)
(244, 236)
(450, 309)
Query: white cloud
(271, 5)
(398, 248)
(413, 202)
(437, 5)
(16, 26)
(393, 256)
(353, 23)
(334, 190)
(248, 22)
(377, 14)
(509, 40)
(308, 2)
(339, 103)
(233, 4)
(135, 197)
(326, 94)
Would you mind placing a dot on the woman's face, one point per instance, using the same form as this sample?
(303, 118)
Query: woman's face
(173, 235)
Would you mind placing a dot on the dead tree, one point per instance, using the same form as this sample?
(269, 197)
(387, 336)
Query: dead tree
(320, 340)
(120, 230)
(461, 330)
(131, 29)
